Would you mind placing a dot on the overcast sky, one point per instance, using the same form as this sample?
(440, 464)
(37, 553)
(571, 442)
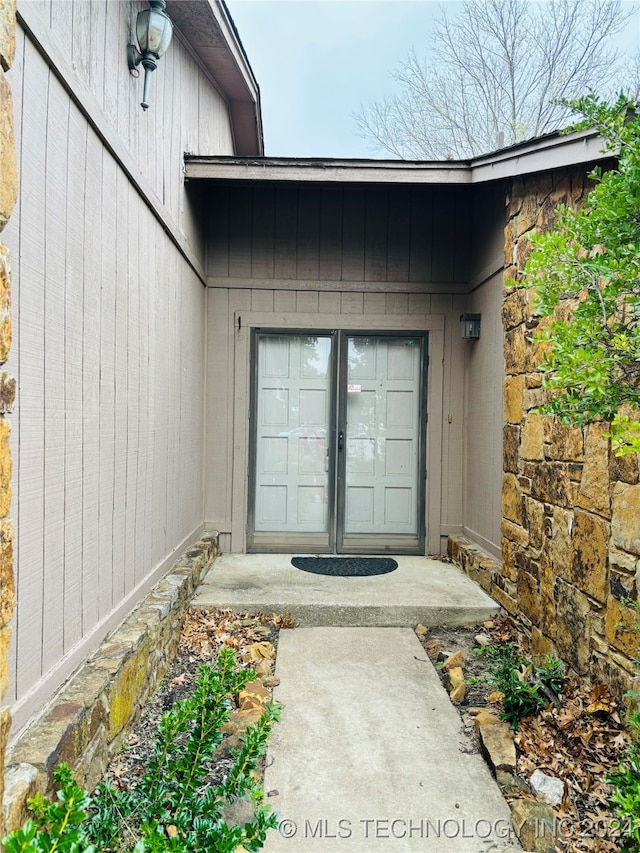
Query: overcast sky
(317, 61)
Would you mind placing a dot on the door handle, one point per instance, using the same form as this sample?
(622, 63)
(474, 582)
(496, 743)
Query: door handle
(340, 441)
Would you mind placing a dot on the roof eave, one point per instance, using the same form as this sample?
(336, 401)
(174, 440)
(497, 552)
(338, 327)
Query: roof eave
(543, 154)
(210, 33)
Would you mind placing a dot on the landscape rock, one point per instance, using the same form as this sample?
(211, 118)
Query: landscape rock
(498, 746)
(454, 661)
(238, 812)
(259, 651)
(486, 718)
(254, 695)
(457, 685)
(511, 785)
(535, 824)
(263, 668)
(246, 717)
(548, 789)
(433, 649)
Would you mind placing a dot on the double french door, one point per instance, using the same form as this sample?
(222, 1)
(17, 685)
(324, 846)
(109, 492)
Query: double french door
(337, 449)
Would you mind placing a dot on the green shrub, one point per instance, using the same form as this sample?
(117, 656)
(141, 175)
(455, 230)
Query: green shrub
(525, 688)
(171, 808)
(625, 799)
(58, 825)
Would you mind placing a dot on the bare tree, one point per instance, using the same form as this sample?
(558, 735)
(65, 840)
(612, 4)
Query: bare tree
(632, 78)
(493, 77)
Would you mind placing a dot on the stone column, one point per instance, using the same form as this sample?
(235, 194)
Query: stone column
(8, 195)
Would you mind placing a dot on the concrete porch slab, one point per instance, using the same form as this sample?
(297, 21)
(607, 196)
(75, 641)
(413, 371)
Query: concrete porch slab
(420, 590)
(370, 754)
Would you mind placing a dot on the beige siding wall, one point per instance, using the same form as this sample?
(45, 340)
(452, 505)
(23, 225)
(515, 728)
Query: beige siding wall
(86, 40)
(406, 235)
(109, 336)
(484, 368)
(484, 365)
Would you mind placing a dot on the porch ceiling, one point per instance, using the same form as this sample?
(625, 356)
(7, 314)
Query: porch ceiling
(538, 155)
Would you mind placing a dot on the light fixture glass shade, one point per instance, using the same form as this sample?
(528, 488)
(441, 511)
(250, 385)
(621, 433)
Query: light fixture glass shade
(154, 30)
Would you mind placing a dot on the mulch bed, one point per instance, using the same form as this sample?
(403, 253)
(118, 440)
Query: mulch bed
(204, 633)
(580, 741)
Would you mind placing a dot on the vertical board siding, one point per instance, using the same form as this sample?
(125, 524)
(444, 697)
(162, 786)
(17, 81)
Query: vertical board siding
(484, 417)
(376, 235)
(187, 112)
(263, 232)
(240, 228)
(353, 234)
(91, 330)
(325, 233)
(29, 489)
(109, 346)
(422, 245)
(308, 248)
(453, 407)
(219, 412)
(286, 233)
(11, 237)
(54, 374)
(399, 235)
(330, 264)
(73, 359)
(106, 389)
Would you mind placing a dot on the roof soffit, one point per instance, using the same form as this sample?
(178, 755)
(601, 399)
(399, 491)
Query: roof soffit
(208, 30)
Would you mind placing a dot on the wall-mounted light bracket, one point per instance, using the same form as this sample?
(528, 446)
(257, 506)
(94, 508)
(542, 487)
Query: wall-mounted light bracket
(470, 326)
(153, 31)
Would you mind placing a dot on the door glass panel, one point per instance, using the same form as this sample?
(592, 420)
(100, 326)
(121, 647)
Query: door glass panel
(293, 408)
(382, 435)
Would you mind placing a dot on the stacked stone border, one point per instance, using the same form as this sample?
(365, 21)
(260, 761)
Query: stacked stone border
(90, 717)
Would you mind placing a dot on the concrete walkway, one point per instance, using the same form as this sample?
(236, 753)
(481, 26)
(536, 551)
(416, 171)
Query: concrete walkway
(370, 754)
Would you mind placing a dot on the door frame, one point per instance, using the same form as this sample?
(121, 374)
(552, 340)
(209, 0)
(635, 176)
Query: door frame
(336, 539)
(245, 321)
(296, 542)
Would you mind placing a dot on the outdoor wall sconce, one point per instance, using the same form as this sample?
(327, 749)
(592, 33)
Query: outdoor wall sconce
(153, 31)
(470, 326)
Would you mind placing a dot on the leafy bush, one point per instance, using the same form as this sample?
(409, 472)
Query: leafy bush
(524, 687)
(58, 825)
(171, 808)
(586, 276)
(625, 799)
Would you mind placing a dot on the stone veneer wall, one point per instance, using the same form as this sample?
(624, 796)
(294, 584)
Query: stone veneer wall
(571, 509)
(8, 195)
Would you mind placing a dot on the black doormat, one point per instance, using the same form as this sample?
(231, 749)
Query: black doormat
(345, 567)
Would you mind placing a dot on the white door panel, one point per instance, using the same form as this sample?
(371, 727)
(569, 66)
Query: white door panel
(382, 436)
(294, 395)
